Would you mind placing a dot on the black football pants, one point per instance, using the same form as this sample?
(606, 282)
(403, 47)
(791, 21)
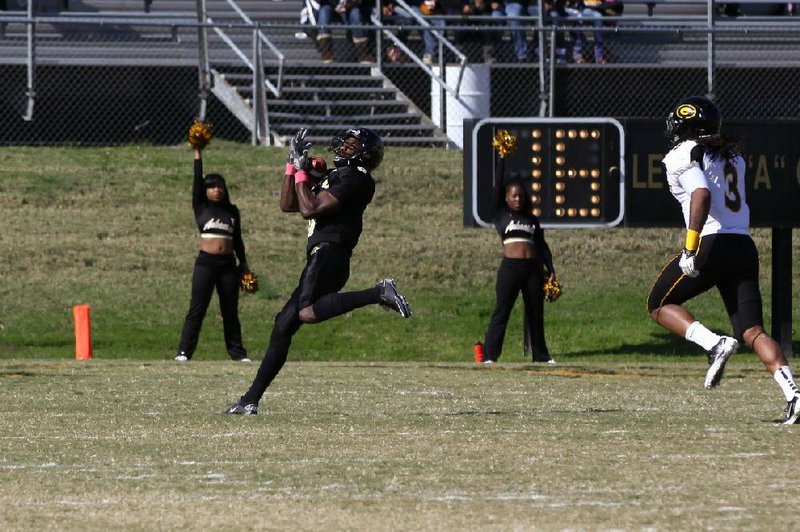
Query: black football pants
(515, 276)
(210, 272)
(326, 272)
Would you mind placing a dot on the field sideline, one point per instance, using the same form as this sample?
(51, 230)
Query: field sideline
(376, 422)
(389, 446)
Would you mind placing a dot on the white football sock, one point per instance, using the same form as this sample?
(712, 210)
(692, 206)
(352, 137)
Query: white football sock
(783, 376)
(698, 334)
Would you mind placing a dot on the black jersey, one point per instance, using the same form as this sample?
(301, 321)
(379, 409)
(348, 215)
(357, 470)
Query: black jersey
(354, 187)
(216, 219)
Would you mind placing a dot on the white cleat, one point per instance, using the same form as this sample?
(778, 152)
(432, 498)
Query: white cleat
(717, 358)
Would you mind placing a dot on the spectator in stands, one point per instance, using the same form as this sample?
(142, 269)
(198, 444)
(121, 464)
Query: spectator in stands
(396, 14)
(488, 39)
(523, 8)
(349, 12)
(563, 9)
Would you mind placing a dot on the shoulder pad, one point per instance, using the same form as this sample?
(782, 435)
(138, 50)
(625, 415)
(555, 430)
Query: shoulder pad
(680, 159)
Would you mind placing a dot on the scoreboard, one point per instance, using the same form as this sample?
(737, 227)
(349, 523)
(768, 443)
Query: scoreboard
(574, 169)
(601, 172)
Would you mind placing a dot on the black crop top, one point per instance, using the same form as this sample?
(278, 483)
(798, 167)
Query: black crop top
(216, 219)
(521, 227)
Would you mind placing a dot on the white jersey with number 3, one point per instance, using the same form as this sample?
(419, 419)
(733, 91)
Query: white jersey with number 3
(729, 212)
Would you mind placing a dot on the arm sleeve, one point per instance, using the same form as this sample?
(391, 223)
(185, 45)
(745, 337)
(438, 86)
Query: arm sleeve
(238, 243)
(198, 194)
(692, 179)
(547, 255)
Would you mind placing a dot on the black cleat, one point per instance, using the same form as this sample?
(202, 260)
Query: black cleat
(717, 358)
(391, 299)
(792, 411)
(239, 409)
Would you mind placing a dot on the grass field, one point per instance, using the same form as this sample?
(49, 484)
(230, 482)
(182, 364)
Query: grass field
(113, 228)
(376, 422)
(393, 446)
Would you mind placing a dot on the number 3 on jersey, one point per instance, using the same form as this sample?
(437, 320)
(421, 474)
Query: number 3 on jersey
(733, 200)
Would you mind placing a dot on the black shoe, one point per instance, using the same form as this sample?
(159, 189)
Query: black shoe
(238, 409)
(390, 298)
(792, 411)
(717, 358)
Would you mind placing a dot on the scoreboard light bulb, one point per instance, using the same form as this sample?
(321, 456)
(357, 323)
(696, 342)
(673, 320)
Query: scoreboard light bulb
(536, 133)
(584, 134)
(583, 172)
(536, 146)
(536, 199)
(571, 173)
(536, 160)
(560, 212)
(595, 186)
(560, 160)
(596, 200)
(595, 134)
(572, 133)
(537, 212)
(595, 173)
(536, 187)
(595, 212)
(560, 199)
(536, 173)
(584, 212)
(559, 173)
(560, 146)
(560, 186)
(572, 211)
(559, 133)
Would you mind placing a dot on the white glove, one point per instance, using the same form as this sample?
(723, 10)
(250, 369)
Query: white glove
(687, 263)
(298, 155)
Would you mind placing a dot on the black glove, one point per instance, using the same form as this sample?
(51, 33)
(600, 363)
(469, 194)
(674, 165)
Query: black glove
(298, 155)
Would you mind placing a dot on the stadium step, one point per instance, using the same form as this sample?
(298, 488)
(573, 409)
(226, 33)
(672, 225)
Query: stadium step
(329, 98)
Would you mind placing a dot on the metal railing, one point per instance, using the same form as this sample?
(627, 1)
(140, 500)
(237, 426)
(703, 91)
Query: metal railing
(540, 86)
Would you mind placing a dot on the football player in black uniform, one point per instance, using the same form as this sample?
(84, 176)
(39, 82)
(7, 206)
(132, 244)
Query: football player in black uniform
(221, 243)
(334, 208)
(525, 257)
(705, 172)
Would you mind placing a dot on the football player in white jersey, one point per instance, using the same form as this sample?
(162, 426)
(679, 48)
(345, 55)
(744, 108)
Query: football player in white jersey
(705, 173)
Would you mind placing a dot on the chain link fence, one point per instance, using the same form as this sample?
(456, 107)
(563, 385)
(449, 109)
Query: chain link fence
(112, 80)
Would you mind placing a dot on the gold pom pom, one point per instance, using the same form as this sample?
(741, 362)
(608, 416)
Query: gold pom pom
(249, 282)
(199, 134)
(504, 142)
(552, 291)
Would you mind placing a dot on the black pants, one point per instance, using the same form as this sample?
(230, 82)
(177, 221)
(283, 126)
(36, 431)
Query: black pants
(727, 261)
(326, 272)
(513, 277)
(220, 272)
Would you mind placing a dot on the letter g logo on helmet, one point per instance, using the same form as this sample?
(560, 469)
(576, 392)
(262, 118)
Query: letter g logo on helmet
(686, 111)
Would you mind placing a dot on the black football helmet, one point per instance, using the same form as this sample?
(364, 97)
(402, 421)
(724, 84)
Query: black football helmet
(691, 118)
(358, 146)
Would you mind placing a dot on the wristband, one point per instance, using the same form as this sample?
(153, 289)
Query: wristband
(692, 240)
(290, 169)
(300, 177)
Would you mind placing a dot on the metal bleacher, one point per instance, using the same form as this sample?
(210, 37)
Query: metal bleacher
(302, 91)
(305, 92)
